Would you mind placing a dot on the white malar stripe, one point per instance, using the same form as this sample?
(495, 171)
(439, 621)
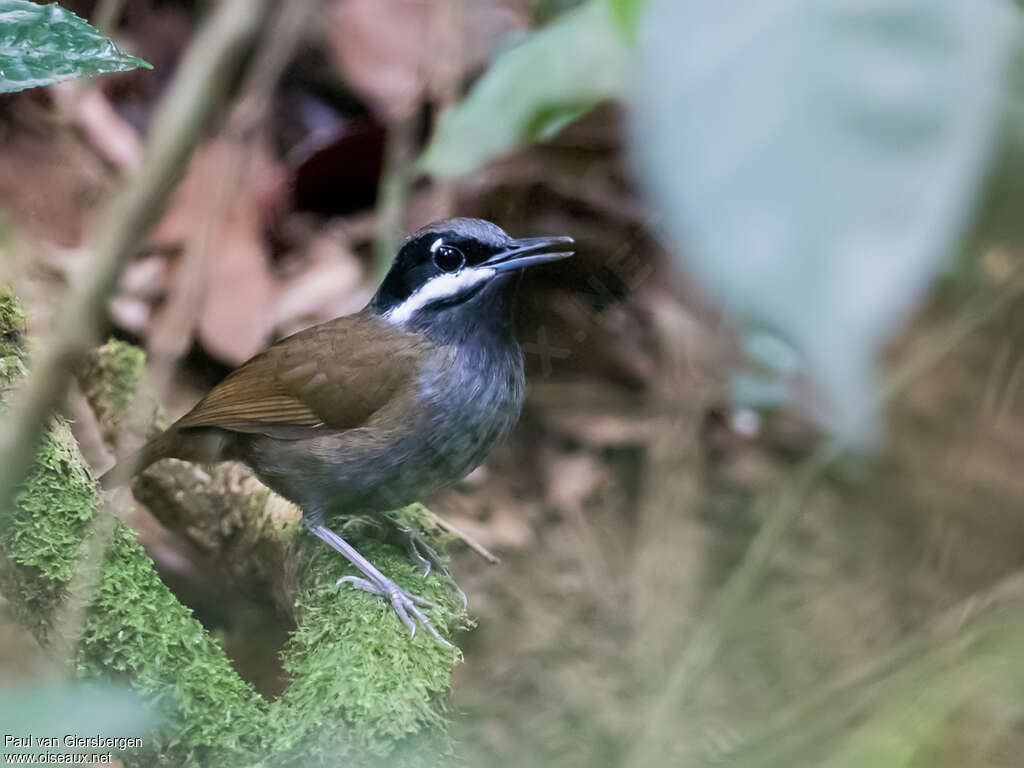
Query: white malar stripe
(440, 287)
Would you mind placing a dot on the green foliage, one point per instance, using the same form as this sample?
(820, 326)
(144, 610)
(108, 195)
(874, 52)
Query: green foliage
(44, 44)
(532, 91)
(815, 162)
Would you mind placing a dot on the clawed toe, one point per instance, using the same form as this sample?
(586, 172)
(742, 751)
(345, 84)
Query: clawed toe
(428, 559)
(418, 558)
(364, 584)
(403, 602)
(377, 583)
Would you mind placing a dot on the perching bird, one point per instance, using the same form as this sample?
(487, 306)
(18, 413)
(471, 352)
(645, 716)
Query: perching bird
(369, 412)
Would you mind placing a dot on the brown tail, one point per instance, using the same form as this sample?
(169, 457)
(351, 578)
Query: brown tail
(160, 447)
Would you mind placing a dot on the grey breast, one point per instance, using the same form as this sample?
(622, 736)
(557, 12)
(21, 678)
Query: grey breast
(472, 397)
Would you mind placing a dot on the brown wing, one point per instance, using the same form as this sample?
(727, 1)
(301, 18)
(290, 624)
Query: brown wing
(335, 375)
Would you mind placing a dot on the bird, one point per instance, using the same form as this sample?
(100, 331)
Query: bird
(371, 411)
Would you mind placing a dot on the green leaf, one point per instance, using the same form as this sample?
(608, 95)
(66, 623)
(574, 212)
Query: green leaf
(532, 91)
(44, 44)
(815, 160)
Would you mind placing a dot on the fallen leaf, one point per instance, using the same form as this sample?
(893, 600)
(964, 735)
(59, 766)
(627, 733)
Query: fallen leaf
(223, 285)
(334, 275)
(571, 478)
(392, 51)
(115, 138)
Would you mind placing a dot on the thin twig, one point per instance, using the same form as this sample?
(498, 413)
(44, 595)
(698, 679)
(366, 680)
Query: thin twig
(699, 653)
(466, 538)
(201, 79)
(394, 189)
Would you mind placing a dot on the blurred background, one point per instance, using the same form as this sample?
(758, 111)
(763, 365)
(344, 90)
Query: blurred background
(764, 505)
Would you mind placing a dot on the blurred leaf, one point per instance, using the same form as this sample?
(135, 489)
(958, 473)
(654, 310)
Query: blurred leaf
(906, 702)
(814, 162)
(533, 90)
(896, 734)
(75, 708)
(774, 366)
(761, 392)
(627, 14)
(387, 50)
(917, 717)
(44, 44)
(544, 11)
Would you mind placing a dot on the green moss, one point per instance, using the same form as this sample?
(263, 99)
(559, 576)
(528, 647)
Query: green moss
(12, 316)
(12, 327)
(48, 520)
(136, 628)
(111, 376)
(362, 690)
(352, 661)
(124, 366)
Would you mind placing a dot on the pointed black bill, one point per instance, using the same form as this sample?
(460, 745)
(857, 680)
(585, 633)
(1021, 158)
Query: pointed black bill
(527, 251)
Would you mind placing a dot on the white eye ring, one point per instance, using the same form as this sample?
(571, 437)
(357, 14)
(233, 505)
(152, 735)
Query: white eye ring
(448, 258)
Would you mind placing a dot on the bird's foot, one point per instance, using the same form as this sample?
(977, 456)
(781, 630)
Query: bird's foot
(427, 558)
(406, 604)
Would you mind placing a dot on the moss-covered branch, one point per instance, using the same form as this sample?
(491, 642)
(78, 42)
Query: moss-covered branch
(223, 510)
(361, 689)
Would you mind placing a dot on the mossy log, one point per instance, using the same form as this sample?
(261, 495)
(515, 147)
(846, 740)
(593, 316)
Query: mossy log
(361, 691)
(222, 510)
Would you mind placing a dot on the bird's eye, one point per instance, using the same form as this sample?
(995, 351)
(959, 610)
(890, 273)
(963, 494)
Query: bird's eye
(447, 258)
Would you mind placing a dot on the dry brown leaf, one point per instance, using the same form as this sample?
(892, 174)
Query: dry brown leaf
(49, 186)
(508, 528)
(130, 313)
(571, 478)
(392, 51)
(223, 286)
(146, 278)
(106, 130)
(606, 430)
(323, 290)
(234, 324)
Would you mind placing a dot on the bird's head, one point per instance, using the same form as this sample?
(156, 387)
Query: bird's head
(459, 273)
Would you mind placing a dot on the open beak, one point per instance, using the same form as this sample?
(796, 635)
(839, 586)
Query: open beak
(527, 251)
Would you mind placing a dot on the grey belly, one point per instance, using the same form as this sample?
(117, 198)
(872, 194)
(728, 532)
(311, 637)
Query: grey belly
(361, 471)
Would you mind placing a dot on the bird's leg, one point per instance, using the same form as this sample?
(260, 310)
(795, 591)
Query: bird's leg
(426, 556)
(377, 583)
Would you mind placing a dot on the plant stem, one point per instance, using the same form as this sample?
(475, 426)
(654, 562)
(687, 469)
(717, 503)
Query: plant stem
(197, 87)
